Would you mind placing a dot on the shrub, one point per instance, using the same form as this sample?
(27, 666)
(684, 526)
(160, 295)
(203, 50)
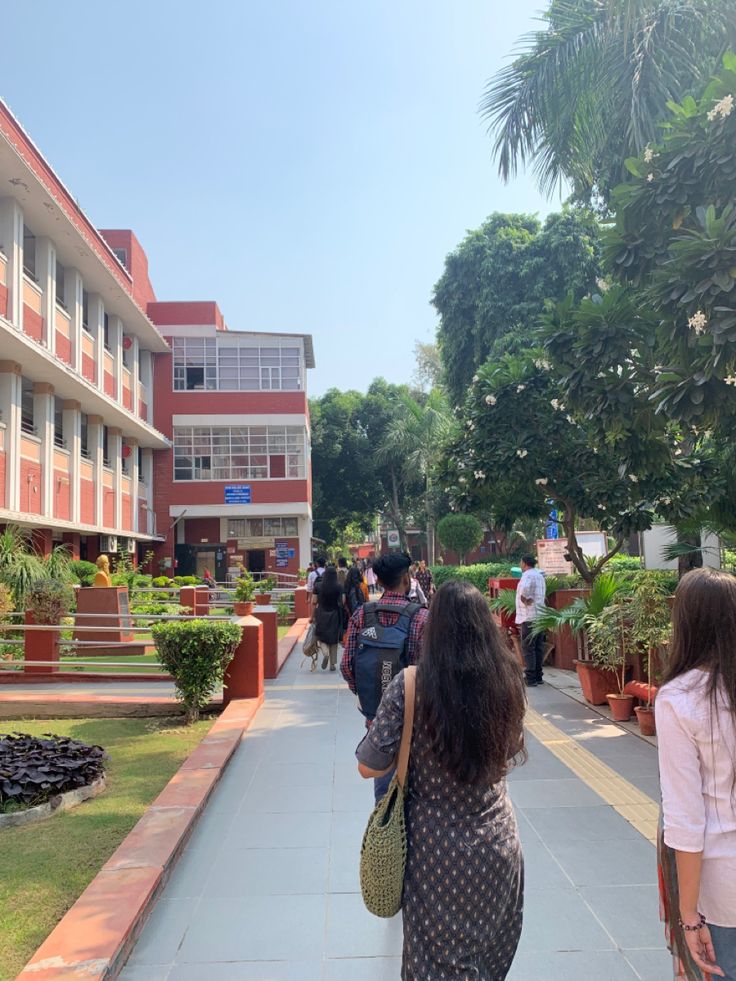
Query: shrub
(461, 533)
(187, 581)
(83, 572)
(245, 587)
(49, 600)
(268, 583)
(478, 574)
(284, 611)
(6, 600)
(628, 563)
(196, 653)
(34, 770)
(161, 582)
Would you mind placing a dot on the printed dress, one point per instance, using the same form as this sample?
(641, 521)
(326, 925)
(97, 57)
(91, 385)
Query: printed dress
(463, 889)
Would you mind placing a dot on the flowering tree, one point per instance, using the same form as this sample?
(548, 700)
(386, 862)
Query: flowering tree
(523, 452)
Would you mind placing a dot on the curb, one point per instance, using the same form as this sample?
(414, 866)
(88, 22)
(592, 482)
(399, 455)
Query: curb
(289, 641)
(94, 938)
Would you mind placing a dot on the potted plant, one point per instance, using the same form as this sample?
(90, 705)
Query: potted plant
(607, 642)
(265, 587)
(245, 590)
(649, 611)
(595, 680)
(301, 577)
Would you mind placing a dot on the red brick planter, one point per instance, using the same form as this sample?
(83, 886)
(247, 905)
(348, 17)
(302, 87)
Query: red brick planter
(40, 645)
(595, 682)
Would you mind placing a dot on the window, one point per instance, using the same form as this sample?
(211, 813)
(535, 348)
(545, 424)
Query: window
(85, 310)
(239, 452)
(29, 253)
(58, 424)
(105, 448)
(122, 256)
(84, 437)
(262, 527)
(60, 284)
(230, 365)
(106, 332)
(139, 451)
(27, 420)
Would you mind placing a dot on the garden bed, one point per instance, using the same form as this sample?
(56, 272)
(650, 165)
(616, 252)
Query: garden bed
(43, 869)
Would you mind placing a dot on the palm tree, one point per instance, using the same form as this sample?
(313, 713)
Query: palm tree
(591, 88)
(414, 441)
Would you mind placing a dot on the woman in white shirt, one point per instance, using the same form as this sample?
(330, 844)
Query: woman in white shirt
(696, 733)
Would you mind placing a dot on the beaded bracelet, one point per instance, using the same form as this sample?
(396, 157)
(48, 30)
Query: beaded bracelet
(697, 926)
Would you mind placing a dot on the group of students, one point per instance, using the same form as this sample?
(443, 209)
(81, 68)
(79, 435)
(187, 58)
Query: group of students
(464, 881)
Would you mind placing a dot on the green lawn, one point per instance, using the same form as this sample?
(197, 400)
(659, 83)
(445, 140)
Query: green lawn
(283, 631)
(46, 866)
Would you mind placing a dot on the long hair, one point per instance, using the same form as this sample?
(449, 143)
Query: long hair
(353, 579)
(329, 589)
(704, 632)
(471, 688)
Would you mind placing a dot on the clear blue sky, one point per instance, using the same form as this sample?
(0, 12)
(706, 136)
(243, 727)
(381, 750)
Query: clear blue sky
(306, 163)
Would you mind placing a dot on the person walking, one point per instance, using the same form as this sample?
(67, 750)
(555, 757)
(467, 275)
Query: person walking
(425, 579)
(328, 615)
(342, 570)
(463, 885)
(530, 597)
(392, 572)
(315, 575)
(695, 712)
(370, 577)
(354, 590)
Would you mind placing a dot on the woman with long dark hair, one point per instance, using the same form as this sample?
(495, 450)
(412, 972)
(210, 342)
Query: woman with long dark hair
(328, 615)
(463, 887)
(354, 590)
(696, 736)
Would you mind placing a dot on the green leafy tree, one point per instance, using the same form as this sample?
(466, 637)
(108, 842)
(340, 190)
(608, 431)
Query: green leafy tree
(428, 369)
(495, 284)
(460, 533)
(591, 88)
(345, 483)
(415, 437)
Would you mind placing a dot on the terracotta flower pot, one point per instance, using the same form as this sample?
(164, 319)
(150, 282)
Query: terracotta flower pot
(596, 682)
(645, 718)
(621, 707)
(243, 608)
(263, 599)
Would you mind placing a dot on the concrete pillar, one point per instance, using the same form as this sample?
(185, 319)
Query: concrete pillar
(305, 542)
(115, 335)
(46, 277)
(94, 444)
(10, 402)
(147, 466)
(115, 451)
(134, 360)
(71, 540)
(146, 371)
(74, 302)
(133, 473)
(43, 417)
(11, 242)
(96, 327)
(71, 427)
(302, 600)
(244, 674)
(270, 620)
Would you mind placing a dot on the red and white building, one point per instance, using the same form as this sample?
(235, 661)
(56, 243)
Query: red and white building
(130, 424)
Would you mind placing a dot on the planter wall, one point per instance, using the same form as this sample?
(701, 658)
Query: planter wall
(596, 682)
(565, 646)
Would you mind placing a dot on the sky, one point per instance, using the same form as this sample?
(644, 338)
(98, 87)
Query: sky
(308, 164)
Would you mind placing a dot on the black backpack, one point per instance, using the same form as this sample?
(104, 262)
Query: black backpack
(381, 653)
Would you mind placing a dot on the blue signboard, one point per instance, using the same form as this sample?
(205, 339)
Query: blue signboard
(237, 493)
(282, 555)
(551, 530)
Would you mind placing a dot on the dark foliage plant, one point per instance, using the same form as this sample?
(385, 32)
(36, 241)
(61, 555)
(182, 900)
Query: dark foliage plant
(50, 600)
(33, 770)
(196, 653)
(83, 572)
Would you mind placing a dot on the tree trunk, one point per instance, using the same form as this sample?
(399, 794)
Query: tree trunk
(397, 515)
(693, 560)
(588, 573)
(430, 524)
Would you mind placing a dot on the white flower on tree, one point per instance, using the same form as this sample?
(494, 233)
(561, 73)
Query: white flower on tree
(491, 400)
(698, 322)
(649, 155)
(520, 388)
(722, 108)
(522, 453)
(541, 481)
(633, 478)
(556, 404)
(479, 475)
(730, 380)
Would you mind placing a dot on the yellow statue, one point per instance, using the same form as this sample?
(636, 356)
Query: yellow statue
(103, 576)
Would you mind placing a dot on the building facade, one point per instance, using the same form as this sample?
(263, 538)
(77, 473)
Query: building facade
(131, 424)
(235, 488)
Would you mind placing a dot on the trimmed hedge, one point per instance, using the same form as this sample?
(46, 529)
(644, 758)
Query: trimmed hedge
(196, 653)
(477, 574)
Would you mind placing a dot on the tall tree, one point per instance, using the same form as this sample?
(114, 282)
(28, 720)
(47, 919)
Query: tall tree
(415, 437)
(497, 281)
(592, 87)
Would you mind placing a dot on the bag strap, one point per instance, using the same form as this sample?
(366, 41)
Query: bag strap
(405, 746)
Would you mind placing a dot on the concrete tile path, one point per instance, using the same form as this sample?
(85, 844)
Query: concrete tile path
(268, 890)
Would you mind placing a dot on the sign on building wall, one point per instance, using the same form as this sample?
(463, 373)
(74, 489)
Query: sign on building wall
(282, 555)
(237, 494)
(393, 540)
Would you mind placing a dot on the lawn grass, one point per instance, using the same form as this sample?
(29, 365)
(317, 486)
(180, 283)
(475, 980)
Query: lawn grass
(45, 867)
(100, 664)
(283, 631)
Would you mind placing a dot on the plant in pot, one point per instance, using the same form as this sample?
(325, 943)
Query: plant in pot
(607, 641)
(245, 590)
(301, 576)
(595, 680)
(49, 600)
(649, 612)
(264, 589)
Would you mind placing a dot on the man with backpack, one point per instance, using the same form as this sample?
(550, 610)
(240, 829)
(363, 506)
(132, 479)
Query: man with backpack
(315, 575)
(382, 639)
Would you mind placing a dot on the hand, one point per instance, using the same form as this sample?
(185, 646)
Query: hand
(701, 948)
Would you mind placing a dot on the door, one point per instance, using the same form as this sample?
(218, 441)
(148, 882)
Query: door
(205, 560)
(256, 560)
(185, 561)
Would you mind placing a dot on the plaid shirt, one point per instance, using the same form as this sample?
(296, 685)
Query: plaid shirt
(425, 580)
(413, 642)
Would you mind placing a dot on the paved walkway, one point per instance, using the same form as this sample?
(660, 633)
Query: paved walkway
(267, 889)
